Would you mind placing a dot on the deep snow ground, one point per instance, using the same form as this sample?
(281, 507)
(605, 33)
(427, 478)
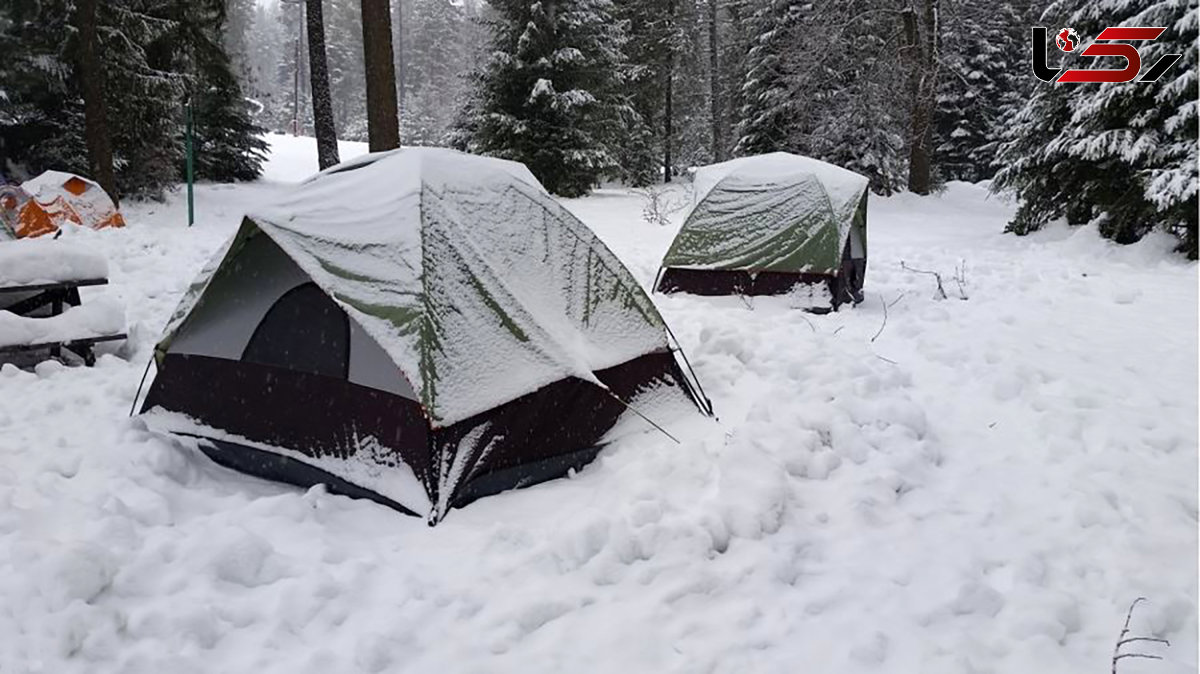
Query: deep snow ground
(982, 488)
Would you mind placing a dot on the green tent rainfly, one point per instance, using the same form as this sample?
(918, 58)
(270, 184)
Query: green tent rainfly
(421, 327)
(763, 225)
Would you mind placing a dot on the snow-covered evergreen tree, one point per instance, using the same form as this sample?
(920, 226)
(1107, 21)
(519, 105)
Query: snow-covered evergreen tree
(826, 82)
(347, 84)
(692, 113)
(154, 53)
(1124, 154)
(551, 94)
(237, 37)
(227, 145)
(437, 54)
(856, 105)
(769, 115)
(266, 44)
(985, 83)
(143, 98)
(40, 124)
(650, 51)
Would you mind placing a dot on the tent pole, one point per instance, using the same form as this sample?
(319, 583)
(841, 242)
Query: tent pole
(700, 389)
(643, 416)
(133, 407)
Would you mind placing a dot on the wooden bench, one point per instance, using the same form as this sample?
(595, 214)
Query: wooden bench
(46, 300)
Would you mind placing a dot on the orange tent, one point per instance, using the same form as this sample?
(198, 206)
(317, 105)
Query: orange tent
(49, 201)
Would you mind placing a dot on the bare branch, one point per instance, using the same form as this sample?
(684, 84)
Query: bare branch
(938, 277)
(1122, 640)
(960, 277)
(659, 206)
(884, 325)
(1134, 655)
(1129, 616)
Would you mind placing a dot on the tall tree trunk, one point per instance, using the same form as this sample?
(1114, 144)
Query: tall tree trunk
(318, 70)
(735, 64)
(668, 93)
(383, 125)
(296, 81)
(920, 31)
(398, 27)
(714, 84)
(95, 114)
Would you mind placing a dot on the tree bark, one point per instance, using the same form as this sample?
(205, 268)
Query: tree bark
(95, 113)
(735, 63)
(668, 93)
(398, 27)
(383, 125)
(318, 70)
(714, 84)
(922, 46)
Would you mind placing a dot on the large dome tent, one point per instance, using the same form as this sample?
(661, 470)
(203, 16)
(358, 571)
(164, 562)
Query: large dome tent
(421, 327)
(764, 225)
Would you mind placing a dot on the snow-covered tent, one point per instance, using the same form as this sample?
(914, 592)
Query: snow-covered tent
(761, 225)
(421, 327)
(47, 202)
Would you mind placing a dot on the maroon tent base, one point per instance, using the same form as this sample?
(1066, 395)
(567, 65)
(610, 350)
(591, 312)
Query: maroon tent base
(539, 436)
(734, 282)
(844, 287)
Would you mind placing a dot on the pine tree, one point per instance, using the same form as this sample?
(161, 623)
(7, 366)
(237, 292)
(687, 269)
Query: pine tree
(734, 67)
(347, 72)
(41, 121)
(691, 93)
(985, 83)
(142, 99)
(825, 82)
(648, 50)
(715, 82)
(769, 116)
(550, 96)
(265, 50)
(227, 141)
(1122, 155)
(238, 40)
(439, 53)
(152, 53)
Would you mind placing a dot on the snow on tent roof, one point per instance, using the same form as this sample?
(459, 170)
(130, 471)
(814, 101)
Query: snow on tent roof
(52, 181)
(843, 185)
(436, 158)
(85, 199)
(775, 212)
(474, 281)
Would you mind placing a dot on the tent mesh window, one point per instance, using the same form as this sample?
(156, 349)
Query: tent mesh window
(304, 331)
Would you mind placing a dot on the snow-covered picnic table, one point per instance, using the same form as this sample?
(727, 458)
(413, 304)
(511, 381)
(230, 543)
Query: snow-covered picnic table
(40, 306)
